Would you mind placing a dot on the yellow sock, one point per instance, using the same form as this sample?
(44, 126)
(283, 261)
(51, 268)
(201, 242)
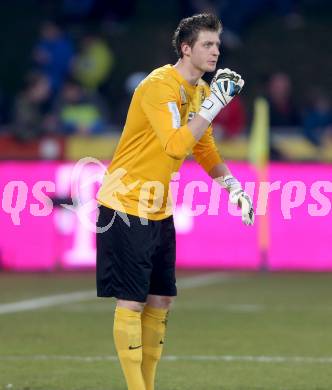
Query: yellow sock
(153, 335)
(127, 332)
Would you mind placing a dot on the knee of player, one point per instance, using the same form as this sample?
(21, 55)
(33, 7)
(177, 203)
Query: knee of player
(167, 302)
(131, 305)
(160, 302)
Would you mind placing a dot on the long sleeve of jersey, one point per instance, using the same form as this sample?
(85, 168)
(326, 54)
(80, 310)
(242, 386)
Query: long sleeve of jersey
(160, 104)
(205, 151)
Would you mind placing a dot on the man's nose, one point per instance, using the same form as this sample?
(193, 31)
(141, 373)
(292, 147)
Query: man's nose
(216, 51)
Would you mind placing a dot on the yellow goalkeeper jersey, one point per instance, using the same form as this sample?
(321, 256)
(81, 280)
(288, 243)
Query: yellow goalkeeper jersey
(154, 143)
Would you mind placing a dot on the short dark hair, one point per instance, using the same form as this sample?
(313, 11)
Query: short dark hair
(189, 28)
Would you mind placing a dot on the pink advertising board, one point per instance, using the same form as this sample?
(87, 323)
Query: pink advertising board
(27, 242)
(300, 218)
(212, 239)
(39, 234)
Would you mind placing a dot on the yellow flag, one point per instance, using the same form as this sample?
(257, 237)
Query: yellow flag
(258, 154)
(258, 148)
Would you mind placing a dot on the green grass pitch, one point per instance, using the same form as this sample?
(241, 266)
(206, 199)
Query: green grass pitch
(227, 331)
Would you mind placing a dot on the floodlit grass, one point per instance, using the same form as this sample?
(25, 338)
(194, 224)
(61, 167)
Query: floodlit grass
(242, 315)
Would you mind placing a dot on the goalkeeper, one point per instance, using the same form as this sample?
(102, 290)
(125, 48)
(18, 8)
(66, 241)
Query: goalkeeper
(169, 117)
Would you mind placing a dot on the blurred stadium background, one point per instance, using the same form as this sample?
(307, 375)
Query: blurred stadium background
(67, 72)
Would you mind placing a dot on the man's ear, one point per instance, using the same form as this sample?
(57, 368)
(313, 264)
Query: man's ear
(186, 49)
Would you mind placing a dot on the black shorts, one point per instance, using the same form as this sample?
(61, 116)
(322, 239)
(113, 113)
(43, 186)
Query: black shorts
(137, 260)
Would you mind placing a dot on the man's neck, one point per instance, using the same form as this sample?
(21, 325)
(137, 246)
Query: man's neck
(188, 72)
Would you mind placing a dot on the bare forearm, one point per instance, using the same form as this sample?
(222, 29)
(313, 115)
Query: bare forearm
(220, 170)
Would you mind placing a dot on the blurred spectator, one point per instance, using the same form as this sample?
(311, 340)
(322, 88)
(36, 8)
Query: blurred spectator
(318, 119)
(78, 112)
(231, 121)
(93, 64)
(284, 114)
(53, 53)
(31, 105)
(283, 110)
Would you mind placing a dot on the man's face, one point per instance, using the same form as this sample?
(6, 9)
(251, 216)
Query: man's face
(205, 51)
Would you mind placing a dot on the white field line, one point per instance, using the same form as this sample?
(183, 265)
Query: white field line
(47, 301)
(79, 296)
(171, 358)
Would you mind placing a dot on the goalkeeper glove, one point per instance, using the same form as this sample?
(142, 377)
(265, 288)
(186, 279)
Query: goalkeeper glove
(224, 86)
(239, 197)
